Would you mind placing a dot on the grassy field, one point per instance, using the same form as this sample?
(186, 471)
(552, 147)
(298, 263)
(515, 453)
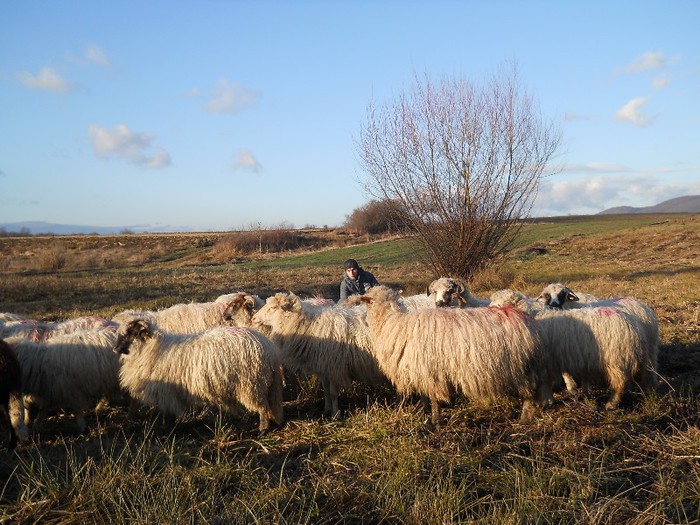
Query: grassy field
(379, 463)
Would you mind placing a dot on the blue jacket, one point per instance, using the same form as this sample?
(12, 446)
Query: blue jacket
(365, 280)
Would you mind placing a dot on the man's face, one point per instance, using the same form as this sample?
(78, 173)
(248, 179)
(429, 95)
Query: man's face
(352, 273)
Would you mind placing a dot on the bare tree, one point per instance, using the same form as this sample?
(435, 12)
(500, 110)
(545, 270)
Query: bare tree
(464, 161)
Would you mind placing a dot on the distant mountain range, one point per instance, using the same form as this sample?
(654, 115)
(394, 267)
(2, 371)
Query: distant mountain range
(38, 227)
(688, 204)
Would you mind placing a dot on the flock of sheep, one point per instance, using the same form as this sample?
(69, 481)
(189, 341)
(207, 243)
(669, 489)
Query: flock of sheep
(237, 350)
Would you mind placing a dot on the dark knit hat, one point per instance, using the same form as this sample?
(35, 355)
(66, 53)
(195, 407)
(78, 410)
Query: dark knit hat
(351, 263)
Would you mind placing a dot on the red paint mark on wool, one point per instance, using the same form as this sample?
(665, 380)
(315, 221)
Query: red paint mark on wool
(607, 311)
(509, 313)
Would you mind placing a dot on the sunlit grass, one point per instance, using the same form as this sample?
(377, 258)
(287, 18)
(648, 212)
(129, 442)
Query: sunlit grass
(379, 463)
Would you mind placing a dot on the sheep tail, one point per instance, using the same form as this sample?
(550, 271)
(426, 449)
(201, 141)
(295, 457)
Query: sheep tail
(276, 393)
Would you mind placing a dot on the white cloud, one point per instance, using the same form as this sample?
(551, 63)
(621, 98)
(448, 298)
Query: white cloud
(95, 55)
(660, 82)
(124, 143)
(632, 112)
(231, 97)
(648, 60)
(47, 79)
(245, 160)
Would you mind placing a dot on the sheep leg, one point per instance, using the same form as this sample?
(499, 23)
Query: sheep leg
(330, 398)
(617, 381)
(528, 412)
(38, 418)
(30, 410)
(80, 420)
(570, 382)
(545, 397)
(435, 418)
(17, 415)
(12, 435)
(264, 425)
(615, 397)
(325, 385)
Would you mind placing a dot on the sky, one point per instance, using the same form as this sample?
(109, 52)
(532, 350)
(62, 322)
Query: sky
(225, 115)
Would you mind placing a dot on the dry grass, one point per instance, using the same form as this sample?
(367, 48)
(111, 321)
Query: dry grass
(379, 464)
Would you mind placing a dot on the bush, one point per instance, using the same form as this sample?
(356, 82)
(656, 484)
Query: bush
(377, 217)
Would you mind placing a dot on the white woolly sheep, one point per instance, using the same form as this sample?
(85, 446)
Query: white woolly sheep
(332, 343)
(11, 403)
(71, 371)
(558, 295)
(596, 345)
(222, 366)
(483, 352)
(39, 331)
(185, 318)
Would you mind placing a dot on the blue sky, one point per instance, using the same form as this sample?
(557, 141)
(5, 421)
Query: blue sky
(215, 115)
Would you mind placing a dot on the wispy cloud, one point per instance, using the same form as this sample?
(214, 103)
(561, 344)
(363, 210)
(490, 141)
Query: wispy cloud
(96, 55)
(660, 82)
(47, 79)
(231, 98)
(571, 116)
(245, 160)
(123, 143)
(633, 112)
(648, 61)
(596, 167)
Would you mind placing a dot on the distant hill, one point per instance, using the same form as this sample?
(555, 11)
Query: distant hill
(688, 204)
(38, 227)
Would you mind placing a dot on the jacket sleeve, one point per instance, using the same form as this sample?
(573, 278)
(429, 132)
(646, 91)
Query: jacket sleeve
(372, 280)
(343, 290)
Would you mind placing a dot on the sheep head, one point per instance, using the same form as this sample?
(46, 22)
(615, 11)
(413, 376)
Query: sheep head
(136, 330)
(556, 294)
(448, 290)
(276, 308)
(379, 294)
(240, 303)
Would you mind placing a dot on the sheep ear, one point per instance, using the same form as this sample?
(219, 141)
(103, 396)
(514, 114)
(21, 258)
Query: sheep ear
(249, 301)
(145, 329)
(141, 328)
(290, 303)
